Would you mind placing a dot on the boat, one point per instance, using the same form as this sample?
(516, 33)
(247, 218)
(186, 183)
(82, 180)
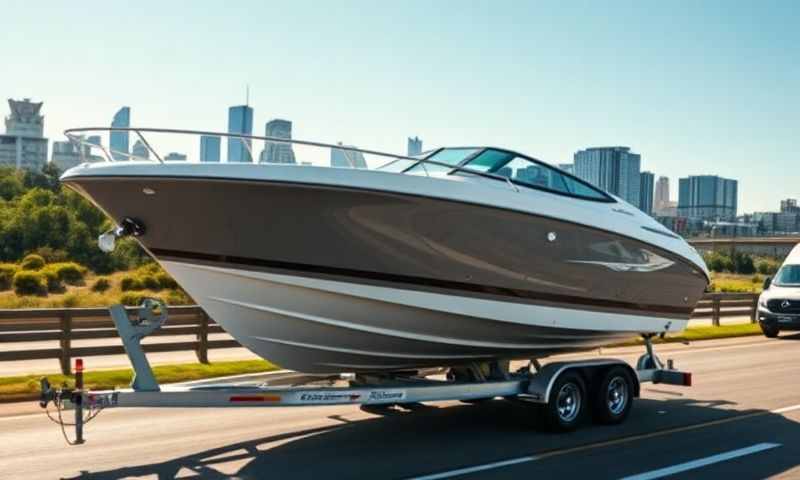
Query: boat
(457, 256)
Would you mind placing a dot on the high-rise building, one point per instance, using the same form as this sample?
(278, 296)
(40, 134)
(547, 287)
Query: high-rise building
(175, 157)
(646, 181)
(23, 145)
(567, 167)
(613, 169)
(662, 194)
(140, 151)
(347, 158)
(240, 120)
(790, 206)
(66, 155)
(276, 152)
(120, 141)
(414, 146)
(708, 197)
(210, 148)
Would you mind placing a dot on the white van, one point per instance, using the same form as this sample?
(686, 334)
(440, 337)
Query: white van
(779, 303)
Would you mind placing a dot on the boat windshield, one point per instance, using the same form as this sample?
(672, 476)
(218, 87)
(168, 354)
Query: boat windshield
(531, 173)
(788, 276)
(445, 159)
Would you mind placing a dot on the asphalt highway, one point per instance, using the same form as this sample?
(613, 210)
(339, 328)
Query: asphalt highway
(739, 420)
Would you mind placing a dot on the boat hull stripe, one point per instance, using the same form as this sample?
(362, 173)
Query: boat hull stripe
(416, 281)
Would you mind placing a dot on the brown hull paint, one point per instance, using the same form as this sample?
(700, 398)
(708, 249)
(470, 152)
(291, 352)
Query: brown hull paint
(385, 238)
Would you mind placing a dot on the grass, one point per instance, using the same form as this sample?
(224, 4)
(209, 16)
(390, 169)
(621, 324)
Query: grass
(24, 387)
(734, 282)
(694, 334)
(83, 296)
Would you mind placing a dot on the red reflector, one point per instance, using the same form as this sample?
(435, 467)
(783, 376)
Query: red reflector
(687, 379)
(78, 364)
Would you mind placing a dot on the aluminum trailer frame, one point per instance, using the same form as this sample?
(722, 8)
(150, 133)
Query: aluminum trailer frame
(533, 384)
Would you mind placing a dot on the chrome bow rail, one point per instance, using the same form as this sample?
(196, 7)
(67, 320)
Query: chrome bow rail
(77, 136)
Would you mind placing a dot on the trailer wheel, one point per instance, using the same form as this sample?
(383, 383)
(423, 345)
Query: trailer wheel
(613, 397)
(565, 408)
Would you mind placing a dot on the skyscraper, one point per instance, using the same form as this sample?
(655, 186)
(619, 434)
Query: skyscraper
(210, 148)
(140, 150)
(662, 193)
(23, 145)
(240, 120)
(347, 158)
(613, 169)
(414, 146)
(646, 192)
(120, 141)
(275, 152)
(708, 197)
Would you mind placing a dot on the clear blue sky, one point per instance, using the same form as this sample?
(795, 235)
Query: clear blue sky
(695, 87)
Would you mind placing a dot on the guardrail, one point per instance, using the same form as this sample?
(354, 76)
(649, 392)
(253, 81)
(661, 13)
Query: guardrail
(721, 305)
(67, 324)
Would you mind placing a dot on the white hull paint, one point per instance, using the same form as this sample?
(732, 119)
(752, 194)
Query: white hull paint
(316, 325)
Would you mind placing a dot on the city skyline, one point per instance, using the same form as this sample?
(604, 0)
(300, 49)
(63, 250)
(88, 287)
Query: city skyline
(702, 90)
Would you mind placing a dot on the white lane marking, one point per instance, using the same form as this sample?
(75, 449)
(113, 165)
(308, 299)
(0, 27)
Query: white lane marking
(479, 468)
(514, 461)
(702, 462)
(790, 408)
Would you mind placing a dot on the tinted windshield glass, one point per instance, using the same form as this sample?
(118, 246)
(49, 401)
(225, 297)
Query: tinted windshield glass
(526, 171)
(788, 275)
(452, 156)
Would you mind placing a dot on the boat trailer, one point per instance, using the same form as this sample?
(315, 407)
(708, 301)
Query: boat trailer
(551, 387)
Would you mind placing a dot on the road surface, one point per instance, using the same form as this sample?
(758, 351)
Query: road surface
(740, 420)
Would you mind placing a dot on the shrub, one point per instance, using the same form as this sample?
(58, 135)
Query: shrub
(743, 263)
(767, 267)
(178, 297)
(101, 285)
(7, 271)
(131, 282)
(69, 272)
(165, 281)
(27, 282)
(150, 267)
(32, 262)
(51, 278)
(757, 279)
(51, 255)
(149, 282)
(70, 300)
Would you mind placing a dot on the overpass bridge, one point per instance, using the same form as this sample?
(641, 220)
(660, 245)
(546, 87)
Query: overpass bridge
(765, 246)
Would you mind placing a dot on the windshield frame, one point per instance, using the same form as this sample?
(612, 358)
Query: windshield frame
(463, 167)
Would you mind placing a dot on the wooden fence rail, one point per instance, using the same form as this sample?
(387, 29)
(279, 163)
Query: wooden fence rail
(67, 324)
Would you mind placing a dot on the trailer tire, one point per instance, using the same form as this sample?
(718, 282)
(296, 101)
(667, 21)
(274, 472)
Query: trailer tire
(612, 398)
(565, 409)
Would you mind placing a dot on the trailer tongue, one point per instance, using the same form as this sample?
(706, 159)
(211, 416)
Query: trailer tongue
(564, 392)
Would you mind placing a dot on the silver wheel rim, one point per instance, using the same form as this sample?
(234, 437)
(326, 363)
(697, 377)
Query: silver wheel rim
(568, 402)
(617, 395)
